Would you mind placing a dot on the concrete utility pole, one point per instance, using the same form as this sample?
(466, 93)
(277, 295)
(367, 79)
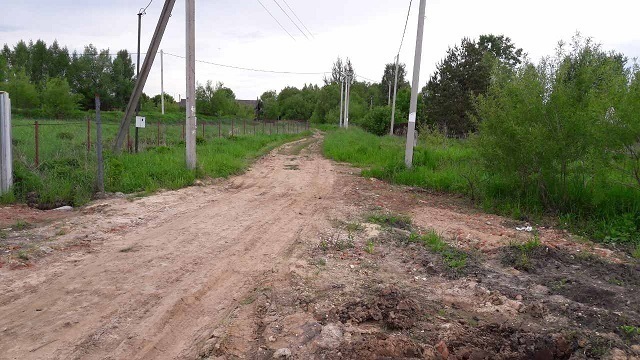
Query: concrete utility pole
(6, 154)
(191, 126)
(144, 73)
(162, 80)
(341, 101)
(347, 97)
(413, 107)
(395, 93)
(389, 96)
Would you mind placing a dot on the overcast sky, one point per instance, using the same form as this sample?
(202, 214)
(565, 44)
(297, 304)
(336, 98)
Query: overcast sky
(242, 33)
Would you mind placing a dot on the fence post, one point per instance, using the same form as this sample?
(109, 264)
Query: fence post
(232, 127)
(183, 129)
(6, 155)
(158, 134)
(244, 126)
(37, 138)
(88, 134)
(219, 128)
(203, 129)
(100, 175)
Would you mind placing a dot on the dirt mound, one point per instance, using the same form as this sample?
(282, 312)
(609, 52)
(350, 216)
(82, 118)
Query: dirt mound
(390, 306)
(380, 346)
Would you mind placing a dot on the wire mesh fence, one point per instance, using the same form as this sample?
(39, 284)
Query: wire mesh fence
(36, 142)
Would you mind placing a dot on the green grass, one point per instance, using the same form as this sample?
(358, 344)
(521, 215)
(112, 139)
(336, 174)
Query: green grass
(390, 220)
(66, 171)
(602, 208)
(519, 255)
(452, 257)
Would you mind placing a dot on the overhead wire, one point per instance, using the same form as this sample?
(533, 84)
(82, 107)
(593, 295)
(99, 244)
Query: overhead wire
(290, 19)
(404, 32)
(274, 18)
(301, 22)
(252, 69)
(144, 10)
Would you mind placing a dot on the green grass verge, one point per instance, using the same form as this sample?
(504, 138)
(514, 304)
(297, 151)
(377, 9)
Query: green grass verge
(69, 179)
(604, 209)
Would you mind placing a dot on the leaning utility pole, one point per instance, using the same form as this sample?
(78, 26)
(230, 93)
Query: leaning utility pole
(191, 126)
(162, 80)
(341, 101)
(389, 96)
(144, 73)
(413, 108)
(395, 93)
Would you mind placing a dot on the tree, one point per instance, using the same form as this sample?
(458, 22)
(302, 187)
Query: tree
(39, 64)
(90, 74)
(20, 57)
(59, 60)
(388, 80)
(271, 110)
(57, 99)
(547, 127)
(464, 74)
(338, 70)
(24, 94)
(122, 78)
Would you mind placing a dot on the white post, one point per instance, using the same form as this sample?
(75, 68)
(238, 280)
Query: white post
(413, 108)
(6, 155)
(162, 79)
(347, 97)
(191, 127)
(341, 101)
(395, 93)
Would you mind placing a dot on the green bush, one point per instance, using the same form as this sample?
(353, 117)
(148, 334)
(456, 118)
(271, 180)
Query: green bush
(377, 121)
(57, 99)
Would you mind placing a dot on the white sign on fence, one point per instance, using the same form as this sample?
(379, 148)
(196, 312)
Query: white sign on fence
(140, 121)
(6, 156)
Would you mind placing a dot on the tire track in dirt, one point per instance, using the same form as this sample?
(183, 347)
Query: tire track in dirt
(183, 261)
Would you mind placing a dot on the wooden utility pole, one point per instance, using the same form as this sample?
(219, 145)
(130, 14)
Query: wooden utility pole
(413, 107)
(144, 73)
(190, 7)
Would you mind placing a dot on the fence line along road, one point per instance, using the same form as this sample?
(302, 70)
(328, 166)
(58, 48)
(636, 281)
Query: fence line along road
(42, 140)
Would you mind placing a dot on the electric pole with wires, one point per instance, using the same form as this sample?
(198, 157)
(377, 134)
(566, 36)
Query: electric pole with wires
(395, 93)
(413, 107)
(191, 126)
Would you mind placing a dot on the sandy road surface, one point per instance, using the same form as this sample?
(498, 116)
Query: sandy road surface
(160, 272)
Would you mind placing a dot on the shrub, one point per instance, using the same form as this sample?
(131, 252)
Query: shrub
(58, 101)
(377, 121)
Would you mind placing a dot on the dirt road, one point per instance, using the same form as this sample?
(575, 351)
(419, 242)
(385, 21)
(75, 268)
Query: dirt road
(160, 272)
(301, 258)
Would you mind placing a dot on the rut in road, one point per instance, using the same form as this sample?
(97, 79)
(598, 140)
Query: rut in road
(165, 270)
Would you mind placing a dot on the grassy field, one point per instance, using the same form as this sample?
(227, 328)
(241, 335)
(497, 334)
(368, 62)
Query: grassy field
(65, 173)
(607, 211)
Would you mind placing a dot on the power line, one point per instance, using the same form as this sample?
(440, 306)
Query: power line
(274, 18)
(250, 69)
(144, 10)
(290, 19)
(362, 77)
(405, 26)
(294, 14)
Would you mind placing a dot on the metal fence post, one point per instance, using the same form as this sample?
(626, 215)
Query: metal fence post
(219, 128)
(232, 127)
(158, 133)
(244, 126)
(203, 134)
(37, 138)
(100, 175)
(6, 155)
(88, 134)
